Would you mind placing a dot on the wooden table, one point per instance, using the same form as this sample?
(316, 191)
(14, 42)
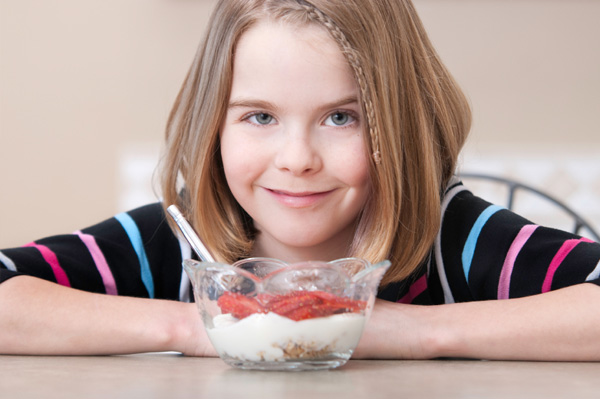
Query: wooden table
(168, 375)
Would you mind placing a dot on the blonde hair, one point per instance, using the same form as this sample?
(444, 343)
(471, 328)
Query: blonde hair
(417, 120)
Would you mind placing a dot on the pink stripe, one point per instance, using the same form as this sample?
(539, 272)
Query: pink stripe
(52, 260)
(511, 256)
(415, 290)
(558, 259)
(101, 264)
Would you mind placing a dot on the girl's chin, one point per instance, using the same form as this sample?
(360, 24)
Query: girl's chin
(299, 247)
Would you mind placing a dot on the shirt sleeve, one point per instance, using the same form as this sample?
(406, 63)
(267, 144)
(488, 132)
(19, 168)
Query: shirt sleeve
(484, 251)
(133, 254)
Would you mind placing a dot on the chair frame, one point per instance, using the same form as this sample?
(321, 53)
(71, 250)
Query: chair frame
(514, 186)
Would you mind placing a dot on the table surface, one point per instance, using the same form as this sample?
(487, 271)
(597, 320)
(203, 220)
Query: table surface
(170, 375)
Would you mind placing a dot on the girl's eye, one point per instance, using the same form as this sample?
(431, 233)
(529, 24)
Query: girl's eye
(339, 119)
(261, 118)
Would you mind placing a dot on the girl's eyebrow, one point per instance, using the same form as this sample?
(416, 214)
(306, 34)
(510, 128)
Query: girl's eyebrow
(251, 103)
(261, 104)
(341, 102)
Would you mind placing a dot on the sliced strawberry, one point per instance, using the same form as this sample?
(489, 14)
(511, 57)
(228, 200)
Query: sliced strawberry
(341, 303)
(264, 297)
(309, 312)
(297, 305)
(238, 305)
(286, 303)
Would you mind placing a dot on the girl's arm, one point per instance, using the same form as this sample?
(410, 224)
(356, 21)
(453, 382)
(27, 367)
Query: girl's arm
(559, 325)
(39, 317)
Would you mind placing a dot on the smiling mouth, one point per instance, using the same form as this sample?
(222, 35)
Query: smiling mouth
(301, 199)
(298, 194)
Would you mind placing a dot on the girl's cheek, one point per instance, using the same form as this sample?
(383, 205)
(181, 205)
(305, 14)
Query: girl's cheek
(241, 157)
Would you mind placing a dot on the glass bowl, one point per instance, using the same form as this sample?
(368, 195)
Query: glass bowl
(263, 313)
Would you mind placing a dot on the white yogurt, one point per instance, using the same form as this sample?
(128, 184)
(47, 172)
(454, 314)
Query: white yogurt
(271, 337)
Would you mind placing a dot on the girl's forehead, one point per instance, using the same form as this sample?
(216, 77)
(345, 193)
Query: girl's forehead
(282, 40)
(269, 28)
(291, 67)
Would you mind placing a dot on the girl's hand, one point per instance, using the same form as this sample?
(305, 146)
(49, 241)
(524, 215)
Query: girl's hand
(195, 341)
(396, 331)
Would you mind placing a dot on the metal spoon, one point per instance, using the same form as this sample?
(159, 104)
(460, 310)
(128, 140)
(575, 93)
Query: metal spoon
(190, 235)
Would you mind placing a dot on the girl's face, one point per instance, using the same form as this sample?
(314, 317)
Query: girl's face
(292, 142)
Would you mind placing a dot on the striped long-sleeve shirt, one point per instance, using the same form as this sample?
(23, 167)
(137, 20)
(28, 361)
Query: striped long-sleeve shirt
(482, 252)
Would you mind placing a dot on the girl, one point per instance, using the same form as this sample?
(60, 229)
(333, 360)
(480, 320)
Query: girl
(315, 130)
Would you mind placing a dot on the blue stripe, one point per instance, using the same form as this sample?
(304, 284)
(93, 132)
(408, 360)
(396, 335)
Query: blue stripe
(469, 248)
(8, 263)
(138, 245)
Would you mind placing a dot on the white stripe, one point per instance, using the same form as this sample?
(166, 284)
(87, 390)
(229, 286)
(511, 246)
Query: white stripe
(594, 274)
(10, 265)
(448, 297)
(429, 266)
(184, 285)
(453, 181)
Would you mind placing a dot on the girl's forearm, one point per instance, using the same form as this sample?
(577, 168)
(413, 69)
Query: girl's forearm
(561, 325)
(38, 317)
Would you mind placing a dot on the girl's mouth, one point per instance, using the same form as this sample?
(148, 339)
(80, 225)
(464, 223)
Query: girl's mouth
(298, 199)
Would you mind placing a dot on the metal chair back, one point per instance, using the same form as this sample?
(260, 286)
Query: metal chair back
(579, 223)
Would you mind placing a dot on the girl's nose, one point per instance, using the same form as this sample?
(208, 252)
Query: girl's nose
(298, 153)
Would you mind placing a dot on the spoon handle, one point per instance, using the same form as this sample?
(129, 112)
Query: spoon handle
(190, 234)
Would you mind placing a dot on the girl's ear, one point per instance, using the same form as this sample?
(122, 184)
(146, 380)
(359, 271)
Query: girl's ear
(377, 157)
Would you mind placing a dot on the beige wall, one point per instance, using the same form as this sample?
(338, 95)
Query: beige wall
(80, 81)
(85, 88)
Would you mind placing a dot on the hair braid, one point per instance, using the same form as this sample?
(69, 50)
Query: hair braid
(351, 55)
